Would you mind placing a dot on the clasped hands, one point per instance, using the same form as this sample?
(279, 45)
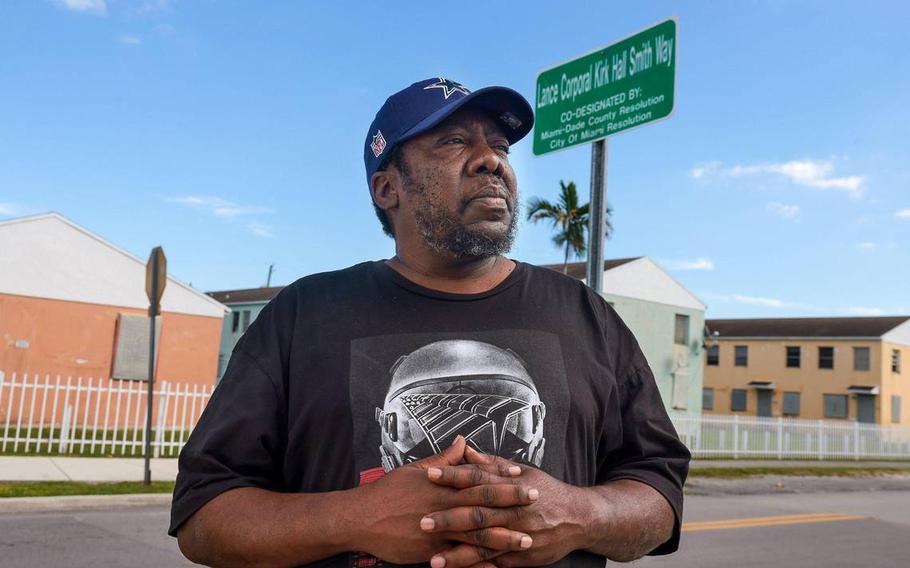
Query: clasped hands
(462, 508)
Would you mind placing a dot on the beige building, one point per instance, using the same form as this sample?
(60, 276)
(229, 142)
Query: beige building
(851, 369)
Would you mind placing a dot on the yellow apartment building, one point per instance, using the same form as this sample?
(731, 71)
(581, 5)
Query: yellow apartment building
(852, 369)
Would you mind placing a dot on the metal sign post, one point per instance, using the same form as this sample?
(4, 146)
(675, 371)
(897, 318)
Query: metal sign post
(597, 217)
(624, 85)
(155, 281)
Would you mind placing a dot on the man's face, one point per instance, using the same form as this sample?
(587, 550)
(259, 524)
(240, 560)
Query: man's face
(460, 193)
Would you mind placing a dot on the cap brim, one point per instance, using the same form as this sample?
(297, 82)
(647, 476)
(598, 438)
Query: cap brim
(494, 101)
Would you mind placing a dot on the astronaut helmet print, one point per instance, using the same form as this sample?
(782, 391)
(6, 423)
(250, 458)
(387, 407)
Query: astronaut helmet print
(466, 387)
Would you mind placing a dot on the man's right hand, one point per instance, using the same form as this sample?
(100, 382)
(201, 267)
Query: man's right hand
(395, 505)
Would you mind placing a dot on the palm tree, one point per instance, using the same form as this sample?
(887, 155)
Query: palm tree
(569, 218)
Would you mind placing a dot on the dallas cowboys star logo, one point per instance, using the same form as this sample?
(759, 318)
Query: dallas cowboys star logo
(448, 87)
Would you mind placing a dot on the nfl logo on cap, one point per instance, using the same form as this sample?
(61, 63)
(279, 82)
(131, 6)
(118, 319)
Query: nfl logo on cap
(378, 144)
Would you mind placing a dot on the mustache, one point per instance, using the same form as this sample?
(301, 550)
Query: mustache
(493, 188)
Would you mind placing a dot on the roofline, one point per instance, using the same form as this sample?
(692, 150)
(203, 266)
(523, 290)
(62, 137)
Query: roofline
(803, 318)
(800, 337)
(109, 244)
(243, 290)
(673, 278)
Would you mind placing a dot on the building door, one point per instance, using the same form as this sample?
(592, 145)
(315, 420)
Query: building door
(865, 408)
(764, 402)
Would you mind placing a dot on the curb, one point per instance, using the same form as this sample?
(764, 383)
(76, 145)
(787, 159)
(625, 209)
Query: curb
(82, 502)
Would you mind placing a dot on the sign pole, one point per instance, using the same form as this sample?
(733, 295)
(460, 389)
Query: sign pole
(597, 213)
(155, 281)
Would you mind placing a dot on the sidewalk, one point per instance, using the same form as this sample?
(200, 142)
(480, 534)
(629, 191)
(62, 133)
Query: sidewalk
(700, 464)
(36, 468)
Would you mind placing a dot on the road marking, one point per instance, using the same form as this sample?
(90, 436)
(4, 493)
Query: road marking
(768, 521)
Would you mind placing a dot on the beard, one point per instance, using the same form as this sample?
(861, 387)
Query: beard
(443, 231)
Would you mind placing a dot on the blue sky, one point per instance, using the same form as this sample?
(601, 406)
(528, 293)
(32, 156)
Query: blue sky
(231, 133)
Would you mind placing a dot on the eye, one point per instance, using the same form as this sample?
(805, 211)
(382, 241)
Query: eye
(455, 140)
(504, 148)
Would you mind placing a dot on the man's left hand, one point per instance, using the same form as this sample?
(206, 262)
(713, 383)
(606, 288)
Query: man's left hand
(556, 521)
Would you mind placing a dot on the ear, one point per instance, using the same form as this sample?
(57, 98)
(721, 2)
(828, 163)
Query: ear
(384, 187)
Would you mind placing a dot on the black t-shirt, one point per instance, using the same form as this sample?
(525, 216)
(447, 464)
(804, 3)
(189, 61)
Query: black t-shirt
(348, 374)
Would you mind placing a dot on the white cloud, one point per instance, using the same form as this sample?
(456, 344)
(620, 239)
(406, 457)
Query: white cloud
(864, 311)
(903, 214)
(220, 207)
(816, 174)
(867, 246)
(702, 170)
(98, 7)
(261, 230)
(129, 39)
(700, 263)
(10, 209)
(762, 301)
(784, 210)
(759, 301)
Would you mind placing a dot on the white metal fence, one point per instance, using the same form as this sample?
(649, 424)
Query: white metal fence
(712, 436)
(45, 414)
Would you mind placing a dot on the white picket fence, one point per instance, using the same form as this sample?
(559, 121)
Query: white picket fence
(712, 436)
(76, 415)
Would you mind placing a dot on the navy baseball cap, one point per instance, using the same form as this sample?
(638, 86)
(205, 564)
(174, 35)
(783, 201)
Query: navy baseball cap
(426, 103)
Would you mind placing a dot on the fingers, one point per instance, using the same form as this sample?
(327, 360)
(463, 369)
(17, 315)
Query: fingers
(463, 476)
(503, 495)
(463, 555)
(495, 538)
(449, 456)
(461, 519)
(473, 456)
(485, 564)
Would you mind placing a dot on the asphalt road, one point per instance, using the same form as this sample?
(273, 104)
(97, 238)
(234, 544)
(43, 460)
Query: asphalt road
(783, 530)
(785, 535)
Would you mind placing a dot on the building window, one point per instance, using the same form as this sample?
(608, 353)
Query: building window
(793, 355)
(246, 319)
(860, 358)
(714, 355)
(707, 398)
(235, 322)
(895, 408)
(895, 361)
(738, 399)
(835, 406)
(825, 357)
(791, 404)
(741, 358)
(681, 330)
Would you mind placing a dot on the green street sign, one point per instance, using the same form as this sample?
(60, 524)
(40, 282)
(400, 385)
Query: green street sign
(616, 88)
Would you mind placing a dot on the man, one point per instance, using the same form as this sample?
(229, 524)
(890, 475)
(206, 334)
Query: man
(447, 405)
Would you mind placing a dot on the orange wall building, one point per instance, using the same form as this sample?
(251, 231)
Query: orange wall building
(851, 369)
(74, 305)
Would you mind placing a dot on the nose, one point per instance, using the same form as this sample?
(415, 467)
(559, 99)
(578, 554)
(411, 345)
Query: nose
(485, 161)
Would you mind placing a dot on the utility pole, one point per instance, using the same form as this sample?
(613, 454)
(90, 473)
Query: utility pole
(268, 281)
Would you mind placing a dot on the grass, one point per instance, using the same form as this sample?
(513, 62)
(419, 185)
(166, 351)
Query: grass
(118, 451)
(56, 488)
(747, 472)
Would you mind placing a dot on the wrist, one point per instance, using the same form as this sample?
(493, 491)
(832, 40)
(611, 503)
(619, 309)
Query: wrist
(333, 516)
(596, 516)
(349, 534)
